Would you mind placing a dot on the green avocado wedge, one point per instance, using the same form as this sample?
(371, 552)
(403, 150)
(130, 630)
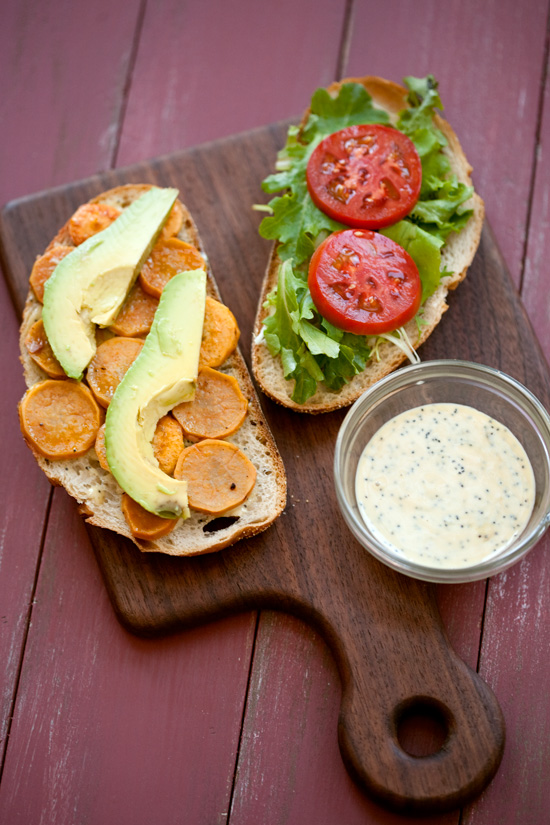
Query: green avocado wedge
(89, 285)
(163, 375)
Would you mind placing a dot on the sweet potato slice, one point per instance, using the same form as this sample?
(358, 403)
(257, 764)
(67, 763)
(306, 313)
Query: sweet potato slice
(109, 365)
(99, 447)
(44, 266)
(219, 476)
(174, 222)
(220, 334)
(166, 260)
(167, 443)
(59, 419)
(39, 349)
(136, 314)
(89, 219)
(143, 524)
(217, 410)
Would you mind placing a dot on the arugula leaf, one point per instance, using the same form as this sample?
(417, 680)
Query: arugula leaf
(291, 162)
(329, 114)
(423, 100)
(438, 210)
(296, 223)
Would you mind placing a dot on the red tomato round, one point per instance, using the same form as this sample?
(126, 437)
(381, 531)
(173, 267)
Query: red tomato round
(366, 176)
(363, 282)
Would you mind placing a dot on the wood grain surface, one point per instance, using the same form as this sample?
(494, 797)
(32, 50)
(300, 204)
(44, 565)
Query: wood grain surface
(375, 622)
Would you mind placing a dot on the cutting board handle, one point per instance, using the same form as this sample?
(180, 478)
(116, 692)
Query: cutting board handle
(398, 663)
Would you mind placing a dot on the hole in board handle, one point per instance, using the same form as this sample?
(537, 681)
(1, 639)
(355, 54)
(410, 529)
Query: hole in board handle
(422, 726)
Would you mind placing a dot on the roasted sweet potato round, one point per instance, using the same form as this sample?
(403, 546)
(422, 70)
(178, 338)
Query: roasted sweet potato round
(218, 474)
(89, 219)
(136, 314)
(166, 260)
(59, 419)
(217, 410)
(220, 334)
(167, 443)
(109, 365)
(143, 524)
(44, 266)
(41, 352)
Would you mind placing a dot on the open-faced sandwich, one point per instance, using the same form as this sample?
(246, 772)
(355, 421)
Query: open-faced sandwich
(139, 402)
(376, 221)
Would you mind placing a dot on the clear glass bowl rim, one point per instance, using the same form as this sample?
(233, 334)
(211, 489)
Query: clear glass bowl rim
(493, 379)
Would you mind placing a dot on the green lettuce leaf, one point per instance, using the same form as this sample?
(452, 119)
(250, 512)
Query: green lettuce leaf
(423, 100)
(329, 114)
(441, 214)
(311, 349)
(425, 250)
(296, 223)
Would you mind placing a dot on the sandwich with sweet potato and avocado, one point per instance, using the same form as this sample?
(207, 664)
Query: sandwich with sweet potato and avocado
(139, 402)
(374, 220)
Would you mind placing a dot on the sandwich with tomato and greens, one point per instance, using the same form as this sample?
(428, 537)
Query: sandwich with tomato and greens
(374, 220)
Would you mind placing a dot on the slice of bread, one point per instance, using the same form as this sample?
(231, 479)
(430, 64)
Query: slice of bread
(96, 490)
(457, 255)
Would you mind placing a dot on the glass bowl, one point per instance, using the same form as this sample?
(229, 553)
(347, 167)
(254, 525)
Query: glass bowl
(460, 382)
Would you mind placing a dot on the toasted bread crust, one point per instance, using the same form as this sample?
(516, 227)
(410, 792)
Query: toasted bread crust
(457, 255)
(95, 489)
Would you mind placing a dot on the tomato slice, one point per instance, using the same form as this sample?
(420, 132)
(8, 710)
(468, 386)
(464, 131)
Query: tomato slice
(363, 282)
(366, 176)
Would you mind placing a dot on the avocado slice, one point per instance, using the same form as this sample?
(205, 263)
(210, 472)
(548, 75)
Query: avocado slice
(163, 375)
(90, 284)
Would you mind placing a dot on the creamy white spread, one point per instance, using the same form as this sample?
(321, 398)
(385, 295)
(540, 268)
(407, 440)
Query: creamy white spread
(444, 485)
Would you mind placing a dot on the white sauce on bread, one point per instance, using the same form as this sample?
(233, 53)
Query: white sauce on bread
(445, 485)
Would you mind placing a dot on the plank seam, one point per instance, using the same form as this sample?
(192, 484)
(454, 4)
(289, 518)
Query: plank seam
(478, 663)
(28, 623)
(243, 717)
(345, 41)
(534, 163)
(128, 82)
(482, 628)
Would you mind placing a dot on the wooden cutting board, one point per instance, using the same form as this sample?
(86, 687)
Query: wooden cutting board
(383, 628)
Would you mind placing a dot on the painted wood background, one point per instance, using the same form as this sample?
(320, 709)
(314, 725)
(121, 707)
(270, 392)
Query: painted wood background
(236, 722)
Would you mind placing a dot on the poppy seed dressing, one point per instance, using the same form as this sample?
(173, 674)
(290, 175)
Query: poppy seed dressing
(445, 485)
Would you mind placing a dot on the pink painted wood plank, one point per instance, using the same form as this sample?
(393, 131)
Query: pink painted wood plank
(536, 277)
(488, 58)
(63, 68)
(514, 662)
(111, 728)
(209, 69)
(461, 607)
(24, 492)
